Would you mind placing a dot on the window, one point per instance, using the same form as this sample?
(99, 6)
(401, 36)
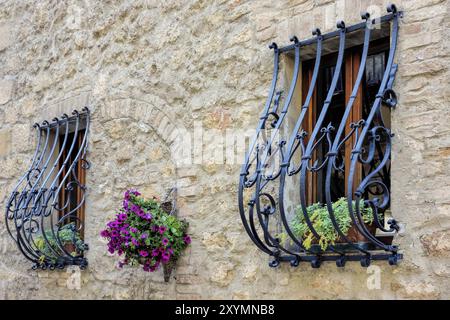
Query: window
(315, 184)
(374, 69)
(45, 213)
(71, 199)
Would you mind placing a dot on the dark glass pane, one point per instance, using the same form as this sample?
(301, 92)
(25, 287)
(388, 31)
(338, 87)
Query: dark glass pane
(375, 68)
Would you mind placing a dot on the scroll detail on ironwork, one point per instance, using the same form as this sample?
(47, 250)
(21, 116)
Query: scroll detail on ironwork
(43, 211)
(271, 159)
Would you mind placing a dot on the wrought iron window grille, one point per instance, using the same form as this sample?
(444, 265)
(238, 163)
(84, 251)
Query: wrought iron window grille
(45, 211)
(270, 159)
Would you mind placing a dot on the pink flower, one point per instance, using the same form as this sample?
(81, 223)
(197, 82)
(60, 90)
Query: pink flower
(104, 233)
(147, 216)
(122, 217)
(162, 229)
(165, 257)
(143, 253)
(187, 239)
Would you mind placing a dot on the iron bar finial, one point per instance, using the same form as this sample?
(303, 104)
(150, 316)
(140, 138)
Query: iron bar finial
(340, 24)
(391, 8)
(294, 39)
(365, 15)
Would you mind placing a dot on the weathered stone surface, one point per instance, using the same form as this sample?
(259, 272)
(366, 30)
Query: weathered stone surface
(437, 243)
(223, 274)
(6, 87)
(5, 36)
(416, 290)
(5, 142)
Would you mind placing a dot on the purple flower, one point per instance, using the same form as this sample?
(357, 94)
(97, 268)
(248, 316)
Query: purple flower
(165, 257)
(134, 230)
(155, 252)
(111, 250)
(130, 192)
(187, 239)
(165, 241)
(162, 229)
(122, 217)
(148, 216)
(154, 267)
(125, 204)
(143, 253)
(136, 209)
(113, 224)
(144, 236)
(114, 233)
(134, 241)
(104, 233)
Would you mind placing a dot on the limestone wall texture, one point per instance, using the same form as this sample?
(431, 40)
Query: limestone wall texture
(146, 67)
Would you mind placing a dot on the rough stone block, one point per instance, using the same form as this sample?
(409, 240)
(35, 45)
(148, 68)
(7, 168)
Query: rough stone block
(5, 36)
(5, 142)
(6, 87)
(437, 243)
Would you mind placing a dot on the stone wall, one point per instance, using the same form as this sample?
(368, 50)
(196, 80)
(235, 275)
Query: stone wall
(149, 67)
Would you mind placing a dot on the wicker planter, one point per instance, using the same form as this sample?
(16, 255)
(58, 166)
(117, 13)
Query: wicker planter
(168, 268)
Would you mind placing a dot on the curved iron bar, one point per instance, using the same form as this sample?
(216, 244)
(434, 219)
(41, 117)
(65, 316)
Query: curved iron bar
(21, 219)
(307, 156)
(36, 195)
(338, 143)
(262, 179)
(296, 140)
(69, 186)
(252, 157)
(13, 198)
(28, 213)
(356, 215)
(54, 194)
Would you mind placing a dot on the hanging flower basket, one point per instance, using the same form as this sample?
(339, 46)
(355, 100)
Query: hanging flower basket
(144, 232)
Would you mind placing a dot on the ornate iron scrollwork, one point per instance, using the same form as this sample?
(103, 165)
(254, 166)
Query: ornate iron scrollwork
(270, 159)
(43, 211)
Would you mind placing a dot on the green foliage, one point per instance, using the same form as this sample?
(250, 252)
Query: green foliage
(321, 221)
(67, 235)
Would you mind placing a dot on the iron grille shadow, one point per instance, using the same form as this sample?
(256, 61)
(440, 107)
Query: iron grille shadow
(260, 175)
(47, 200)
